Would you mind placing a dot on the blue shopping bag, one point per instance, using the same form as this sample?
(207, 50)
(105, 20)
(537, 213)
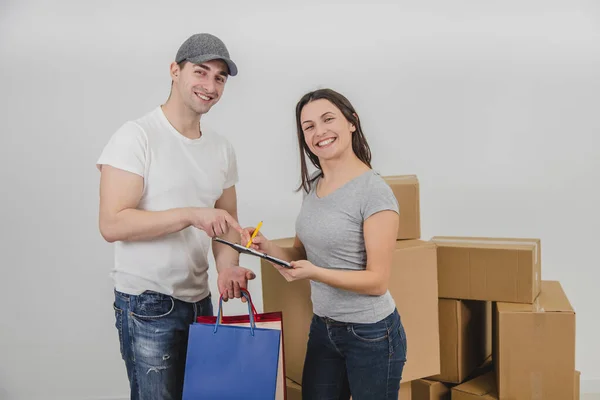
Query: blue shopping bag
(231, 362)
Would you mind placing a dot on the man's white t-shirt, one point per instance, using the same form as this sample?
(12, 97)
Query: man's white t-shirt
(177, 172)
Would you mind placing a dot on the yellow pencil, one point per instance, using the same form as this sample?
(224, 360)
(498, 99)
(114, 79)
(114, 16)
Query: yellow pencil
(254, 234)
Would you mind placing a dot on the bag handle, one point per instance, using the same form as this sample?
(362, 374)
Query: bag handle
(249, 298)
(251, 311)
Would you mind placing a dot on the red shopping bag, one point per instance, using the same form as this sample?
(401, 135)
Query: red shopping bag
(272, 320)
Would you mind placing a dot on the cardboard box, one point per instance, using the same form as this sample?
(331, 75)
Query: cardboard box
(534, 347)
(293, 299)
(406, 190)
(465, 338)
(424, 389)
(294, 391)
(405, 392)
(484, 368)
(576, 394)
(413, 285)
(481, 388)
(492, 269)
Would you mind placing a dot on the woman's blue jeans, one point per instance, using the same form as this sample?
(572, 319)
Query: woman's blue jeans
(362, 360)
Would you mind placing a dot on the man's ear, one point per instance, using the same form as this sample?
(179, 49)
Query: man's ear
(174, 71)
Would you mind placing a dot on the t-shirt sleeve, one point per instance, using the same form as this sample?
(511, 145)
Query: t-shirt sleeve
(126, 150)
(379, 197)
(232, 168)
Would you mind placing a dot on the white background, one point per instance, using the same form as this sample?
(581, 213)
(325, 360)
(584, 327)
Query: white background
(494, 105)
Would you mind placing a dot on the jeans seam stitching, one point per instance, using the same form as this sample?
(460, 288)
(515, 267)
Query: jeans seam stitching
(331, 340)
(120, 328)
(391, 353)
(130, 328)
(387, 382)
(388, 328)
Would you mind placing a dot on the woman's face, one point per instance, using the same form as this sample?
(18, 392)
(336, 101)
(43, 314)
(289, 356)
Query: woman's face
(327, 132)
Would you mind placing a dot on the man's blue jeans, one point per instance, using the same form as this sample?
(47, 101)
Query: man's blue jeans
(153, 336)
(365, 360)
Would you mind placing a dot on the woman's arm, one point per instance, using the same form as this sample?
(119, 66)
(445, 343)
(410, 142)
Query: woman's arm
(296, 252)
(380, 231)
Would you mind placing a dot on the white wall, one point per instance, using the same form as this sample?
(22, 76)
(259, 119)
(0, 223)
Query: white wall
(494, 105)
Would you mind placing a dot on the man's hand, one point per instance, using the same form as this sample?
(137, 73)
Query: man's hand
(231, 280)
(213, 221)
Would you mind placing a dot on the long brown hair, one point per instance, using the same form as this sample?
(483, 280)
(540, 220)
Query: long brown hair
(359, 142)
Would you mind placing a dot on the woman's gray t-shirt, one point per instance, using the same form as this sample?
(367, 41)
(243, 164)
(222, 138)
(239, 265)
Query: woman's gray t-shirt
(331, 230)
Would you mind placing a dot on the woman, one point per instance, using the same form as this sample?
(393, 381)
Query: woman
(346, 235)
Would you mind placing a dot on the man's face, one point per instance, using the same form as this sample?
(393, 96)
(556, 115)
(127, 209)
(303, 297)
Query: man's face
(200, 85)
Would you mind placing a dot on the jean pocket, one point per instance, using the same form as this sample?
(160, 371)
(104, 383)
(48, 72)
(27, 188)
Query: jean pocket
(151, 305)
(119, 326)
(370, 332)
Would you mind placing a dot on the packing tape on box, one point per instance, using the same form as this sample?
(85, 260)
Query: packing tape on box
(536, 385)
(496, 242)
(536, 305)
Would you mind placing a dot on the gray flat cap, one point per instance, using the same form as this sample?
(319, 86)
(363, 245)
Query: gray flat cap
(203, 47)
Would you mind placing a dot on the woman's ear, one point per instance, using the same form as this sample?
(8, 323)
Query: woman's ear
(352, 126)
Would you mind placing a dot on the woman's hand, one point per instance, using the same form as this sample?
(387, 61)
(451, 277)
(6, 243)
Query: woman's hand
(301, 269)
(259, 243)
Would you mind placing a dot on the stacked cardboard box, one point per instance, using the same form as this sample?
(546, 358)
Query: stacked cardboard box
(413, 285)
(491, 293)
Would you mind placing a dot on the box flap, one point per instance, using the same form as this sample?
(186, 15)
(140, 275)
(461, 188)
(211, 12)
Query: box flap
(413, 243)
(293, 390)
(401, 179)
(291, 384)
(427, 389)
(427, 382)
(552, 298)
(489, 243)
(484, 239)
(480, 386)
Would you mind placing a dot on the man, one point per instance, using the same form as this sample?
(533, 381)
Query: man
(166, 186)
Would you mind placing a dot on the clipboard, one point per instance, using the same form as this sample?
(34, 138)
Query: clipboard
(245, 250)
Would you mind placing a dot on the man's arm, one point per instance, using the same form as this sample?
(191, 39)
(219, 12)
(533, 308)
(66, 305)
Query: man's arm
(120, 220)
(232, 278)
(225, 256)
